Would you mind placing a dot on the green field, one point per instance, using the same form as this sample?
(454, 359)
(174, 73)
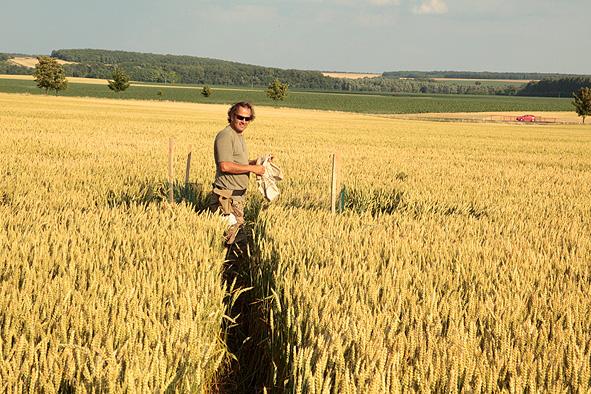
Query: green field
(349, 102)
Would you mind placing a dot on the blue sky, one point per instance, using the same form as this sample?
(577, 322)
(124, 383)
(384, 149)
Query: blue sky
(343, 35)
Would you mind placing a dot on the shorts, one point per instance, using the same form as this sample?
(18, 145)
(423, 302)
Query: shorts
(221, 201)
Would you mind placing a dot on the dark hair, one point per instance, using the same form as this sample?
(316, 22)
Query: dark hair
(234, 108)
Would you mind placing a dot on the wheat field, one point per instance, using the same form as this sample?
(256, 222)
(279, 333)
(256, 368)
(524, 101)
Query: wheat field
(100, 291)
(461, 262)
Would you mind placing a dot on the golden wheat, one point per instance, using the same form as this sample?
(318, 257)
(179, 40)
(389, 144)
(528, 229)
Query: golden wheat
(460, 264)
(100, 290)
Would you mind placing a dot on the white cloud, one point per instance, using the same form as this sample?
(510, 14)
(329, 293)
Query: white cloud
(432, 7)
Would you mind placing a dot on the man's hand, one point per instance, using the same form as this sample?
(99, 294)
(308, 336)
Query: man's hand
(258, 170)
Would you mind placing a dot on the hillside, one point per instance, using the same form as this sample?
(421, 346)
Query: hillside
(149, 67)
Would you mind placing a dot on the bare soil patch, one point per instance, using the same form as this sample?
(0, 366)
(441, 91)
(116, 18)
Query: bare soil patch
(351, 75)
(31, 62)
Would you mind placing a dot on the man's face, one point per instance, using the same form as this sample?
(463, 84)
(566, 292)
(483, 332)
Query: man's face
(240, 119)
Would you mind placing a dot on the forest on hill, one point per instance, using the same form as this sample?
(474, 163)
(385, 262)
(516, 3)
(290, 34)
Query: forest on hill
(523, 76)
(158, 68)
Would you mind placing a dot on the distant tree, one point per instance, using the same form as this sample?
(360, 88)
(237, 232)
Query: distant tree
(166, 76)
(120, 81)
(50, 75)
(206, 91)
(277, 90)
(582, 102)
(173, 77)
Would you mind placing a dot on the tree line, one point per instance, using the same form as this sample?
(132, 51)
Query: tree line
(557, 87)
(146, 67)
(524, 76)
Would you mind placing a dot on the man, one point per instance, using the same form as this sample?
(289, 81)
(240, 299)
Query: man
(233, 168)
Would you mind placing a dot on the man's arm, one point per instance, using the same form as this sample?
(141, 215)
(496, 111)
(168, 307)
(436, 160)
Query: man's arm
(230, 167)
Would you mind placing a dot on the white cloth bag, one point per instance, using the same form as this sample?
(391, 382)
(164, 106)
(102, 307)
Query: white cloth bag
(267, 183)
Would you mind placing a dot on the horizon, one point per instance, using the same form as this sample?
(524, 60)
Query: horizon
(363, 36)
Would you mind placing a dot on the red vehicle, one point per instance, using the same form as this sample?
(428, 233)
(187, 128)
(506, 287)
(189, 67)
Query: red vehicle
(526, 118)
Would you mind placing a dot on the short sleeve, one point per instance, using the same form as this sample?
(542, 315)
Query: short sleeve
(223, 148)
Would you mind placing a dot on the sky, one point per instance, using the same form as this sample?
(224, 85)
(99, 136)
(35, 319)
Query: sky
(326, 35)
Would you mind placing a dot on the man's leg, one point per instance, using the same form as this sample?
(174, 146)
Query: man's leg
(226, 206)
(238, 211)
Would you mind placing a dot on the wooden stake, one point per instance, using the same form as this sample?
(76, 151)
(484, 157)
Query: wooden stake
(334, 183)
(170, 170)
(188, 167)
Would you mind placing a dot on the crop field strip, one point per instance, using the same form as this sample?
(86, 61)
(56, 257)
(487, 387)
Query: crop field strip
(459, 264)
(347, 102)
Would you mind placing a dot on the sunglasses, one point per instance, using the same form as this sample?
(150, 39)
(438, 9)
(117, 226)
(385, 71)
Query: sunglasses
(244, 118)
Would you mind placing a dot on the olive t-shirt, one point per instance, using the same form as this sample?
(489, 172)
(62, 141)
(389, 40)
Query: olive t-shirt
(230, 146)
